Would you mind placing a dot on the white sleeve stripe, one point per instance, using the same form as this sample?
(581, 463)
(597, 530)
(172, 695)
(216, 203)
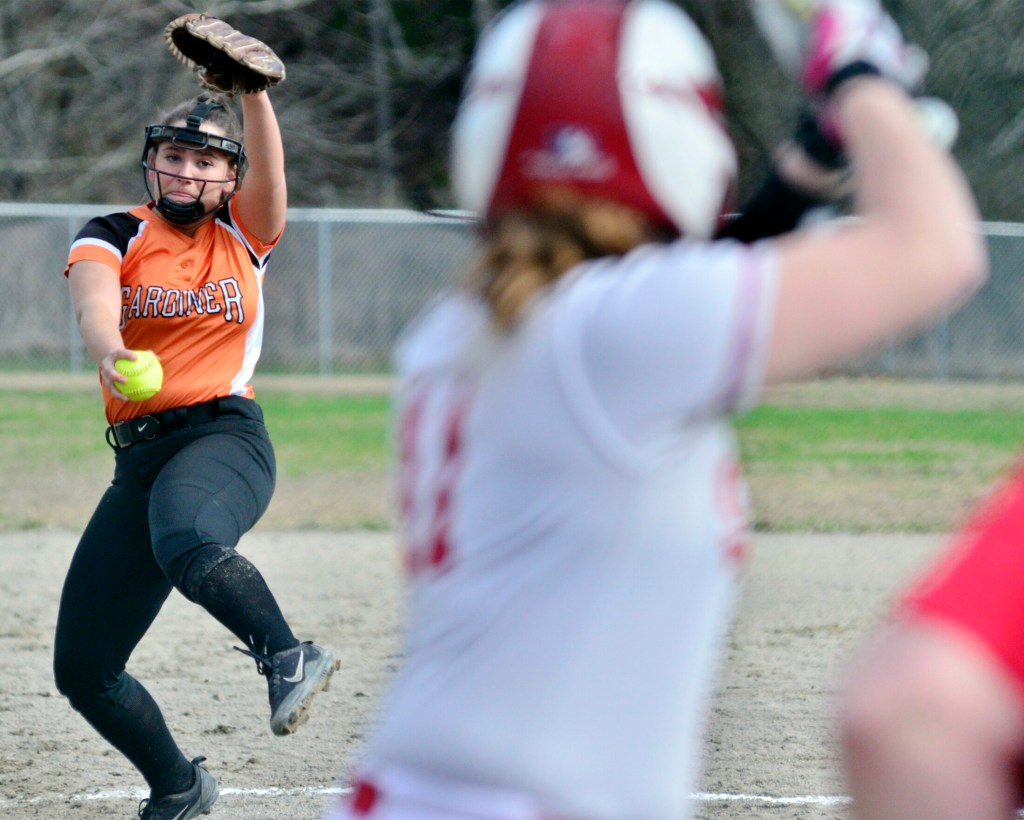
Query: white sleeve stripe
(89, 241)
(232, 226)
(260, 261)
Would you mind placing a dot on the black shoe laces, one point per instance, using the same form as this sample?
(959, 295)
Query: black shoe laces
(264, 664)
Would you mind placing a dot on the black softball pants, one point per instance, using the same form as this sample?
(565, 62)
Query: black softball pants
(175, 510)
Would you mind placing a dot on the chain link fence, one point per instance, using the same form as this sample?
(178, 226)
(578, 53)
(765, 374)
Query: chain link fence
(343, 283)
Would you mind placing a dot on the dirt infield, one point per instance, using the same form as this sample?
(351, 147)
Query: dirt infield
(806, 600)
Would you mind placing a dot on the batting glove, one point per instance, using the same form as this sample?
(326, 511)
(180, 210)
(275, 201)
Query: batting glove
(821, 43)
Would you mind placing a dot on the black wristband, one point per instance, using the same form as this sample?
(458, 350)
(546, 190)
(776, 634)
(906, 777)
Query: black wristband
(848, 72)
(776, 207)
(824, 151)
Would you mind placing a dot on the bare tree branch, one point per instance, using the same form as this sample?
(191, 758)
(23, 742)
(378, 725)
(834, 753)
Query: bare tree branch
(366, 121)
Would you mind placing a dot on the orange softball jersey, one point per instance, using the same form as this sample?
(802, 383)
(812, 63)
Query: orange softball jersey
(195, 301)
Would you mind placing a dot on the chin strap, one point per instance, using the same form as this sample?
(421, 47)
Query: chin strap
(177, 213)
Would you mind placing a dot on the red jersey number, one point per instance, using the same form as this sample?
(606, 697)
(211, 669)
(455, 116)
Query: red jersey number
(425, 499)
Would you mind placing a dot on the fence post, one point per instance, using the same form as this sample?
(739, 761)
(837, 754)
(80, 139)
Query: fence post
(74, 340)
(325, 319)
(942, 340)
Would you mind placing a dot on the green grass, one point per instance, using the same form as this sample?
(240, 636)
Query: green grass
(318, 432)
(54, 461)
(854, 469)
(810, 468)
(873, 440)
(315, 434)
(38, 427)
(311, 433)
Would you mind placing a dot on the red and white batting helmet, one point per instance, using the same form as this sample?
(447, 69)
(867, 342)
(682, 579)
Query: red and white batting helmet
(615, 100)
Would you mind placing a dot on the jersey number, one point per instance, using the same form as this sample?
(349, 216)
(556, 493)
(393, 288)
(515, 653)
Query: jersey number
(426, 514)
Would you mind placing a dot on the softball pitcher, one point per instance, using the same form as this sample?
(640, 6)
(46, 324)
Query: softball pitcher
(194, 467)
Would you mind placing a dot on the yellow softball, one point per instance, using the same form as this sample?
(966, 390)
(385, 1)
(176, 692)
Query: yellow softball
(145, 375)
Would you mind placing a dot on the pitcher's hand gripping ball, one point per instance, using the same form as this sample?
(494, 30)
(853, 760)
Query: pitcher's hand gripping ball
(145, 376)
(224, 59)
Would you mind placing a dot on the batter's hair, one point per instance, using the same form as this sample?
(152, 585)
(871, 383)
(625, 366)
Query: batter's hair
(527, 250)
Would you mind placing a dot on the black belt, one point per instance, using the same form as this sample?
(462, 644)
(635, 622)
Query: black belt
(126, 433)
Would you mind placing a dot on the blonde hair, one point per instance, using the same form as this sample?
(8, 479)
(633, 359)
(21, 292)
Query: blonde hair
(527, 250)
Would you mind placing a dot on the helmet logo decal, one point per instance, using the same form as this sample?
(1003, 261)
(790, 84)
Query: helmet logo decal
(570, 152)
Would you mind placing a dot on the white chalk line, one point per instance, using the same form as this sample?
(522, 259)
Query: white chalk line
(138, 794)
(804, 800)
(324, 791)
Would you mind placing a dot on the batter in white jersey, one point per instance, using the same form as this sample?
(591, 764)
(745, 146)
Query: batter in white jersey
(568, 483)
(574, 523)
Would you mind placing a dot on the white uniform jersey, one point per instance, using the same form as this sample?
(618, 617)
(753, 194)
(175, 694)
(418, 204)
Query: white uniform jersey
(574, 518)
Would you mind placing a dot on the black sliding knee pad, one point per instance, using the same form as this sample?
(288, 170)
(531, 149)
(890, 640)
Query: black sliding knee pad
(207, 558)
